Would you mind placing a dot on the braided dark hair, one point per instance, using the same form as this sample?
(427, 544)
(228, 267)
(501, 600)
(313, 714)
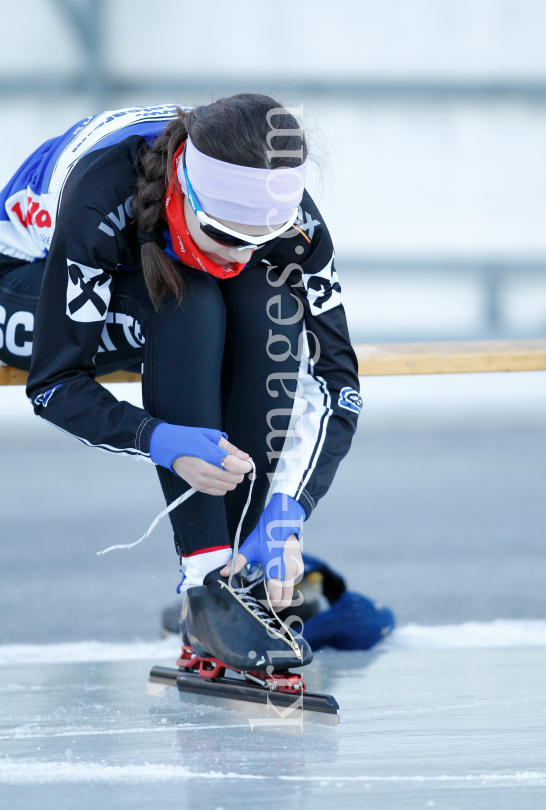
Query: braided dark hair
(241, 129)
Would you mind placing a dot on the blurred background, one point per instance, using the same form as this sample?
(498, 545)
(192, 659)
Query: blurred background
(427, 120)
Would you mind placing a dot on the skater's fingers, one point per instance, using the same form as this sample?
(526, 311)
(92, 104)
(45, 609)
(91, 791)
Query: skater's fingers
(240, 564)
(293, 573)
(274, 589)
(218, 491)
(293, 561)
(205, 477)
(220, 478)
(234, 464)
(285, 599)
(287, 595)
(215, 487)
(224, 476)
(234, 451)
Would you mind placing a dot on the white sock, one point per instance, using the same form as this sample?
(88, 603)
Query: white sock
(199, 565)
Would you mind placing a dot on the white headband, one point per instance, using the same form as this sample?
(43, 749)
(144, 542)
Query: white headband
(241, 193)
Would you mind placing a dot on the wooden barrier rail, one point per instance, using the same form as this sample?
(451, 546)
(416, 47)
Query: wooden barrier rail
(452, 357)
(378, 359)
(12, 376)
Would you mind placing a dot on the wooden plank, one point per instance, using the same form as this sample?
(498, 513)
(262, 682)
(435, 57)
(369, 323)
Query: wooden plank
(453, 357)
(12, 376)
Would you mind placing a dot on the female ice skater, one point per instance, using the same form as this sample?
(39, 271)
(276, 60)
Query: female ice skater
(181, 242)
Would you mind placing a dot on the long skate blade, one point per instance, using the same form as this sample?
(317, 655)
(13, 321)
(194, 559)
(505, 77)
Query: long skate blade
(266, 707)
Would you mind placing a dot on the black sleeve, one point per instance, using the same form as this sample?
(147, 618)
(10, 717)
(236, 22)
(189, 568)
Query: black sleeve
(329, 402)
(85, 250)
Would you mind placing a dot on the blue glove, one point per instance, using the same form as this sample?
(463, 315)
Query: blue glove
(283, 516)
(168, 442)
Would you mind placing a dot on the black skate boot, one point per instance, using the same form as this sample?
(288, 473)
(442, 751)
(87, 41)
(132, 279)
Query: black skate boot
(238, 626)
(236, 654)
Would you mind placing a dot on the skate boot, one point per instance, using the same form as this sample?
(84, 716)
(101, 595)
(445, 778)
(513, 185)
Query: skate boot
(238, 626)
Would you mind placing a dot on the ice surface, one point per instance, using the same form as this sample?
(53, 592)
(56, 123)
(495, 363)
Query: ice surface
(437, 512)
(500, 633)
(86, 651)
(458, 727)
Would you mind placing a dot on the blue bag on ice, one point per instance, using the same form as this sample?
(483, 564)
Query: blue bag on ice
(352, 622)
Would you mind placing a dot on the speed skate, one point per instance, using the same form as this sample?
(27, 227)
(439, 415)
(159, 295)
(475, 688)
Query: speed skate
(237, 653)
(280, 697)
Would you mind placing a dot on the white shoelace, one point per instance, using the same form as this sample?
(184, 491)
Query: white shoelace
(240, 526)
(252, 604)
(180, 500)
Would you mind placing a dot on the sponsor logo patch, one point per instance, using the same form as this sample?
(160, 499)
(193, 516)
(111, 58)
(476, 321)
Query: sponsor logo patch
(350, 400)
(305, 222)
(43, 399)
(323, 289)
(87, 293)
(118, 218)
(34, 215)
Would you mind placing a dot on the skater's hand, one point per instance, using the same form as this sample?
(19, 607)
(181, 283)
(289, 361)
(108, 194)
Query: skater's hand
(209, 478)
(274, 532)
(237, 454)
(280, 593)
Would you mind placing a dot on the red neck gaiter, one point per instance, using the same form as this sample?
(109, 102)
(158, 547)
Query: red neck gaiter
(183, 245)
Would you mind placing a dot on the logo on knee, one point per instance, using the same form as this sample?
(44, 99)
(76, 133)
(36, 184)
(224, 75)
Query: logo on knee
(17, 327)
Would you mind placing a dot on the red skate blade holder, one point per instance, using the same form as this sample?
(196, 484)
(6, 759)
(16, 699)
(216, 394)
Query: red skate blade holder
(209, 667)
(279, 699)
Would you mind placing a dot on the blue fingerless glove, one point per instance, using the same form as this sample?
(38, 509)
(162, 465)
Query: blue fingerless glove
(168, 442)
(282, 517)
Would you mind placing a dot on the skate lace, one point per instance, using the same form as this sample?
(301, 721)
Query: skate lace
(240, 526)
(254, 606)
(180, 500)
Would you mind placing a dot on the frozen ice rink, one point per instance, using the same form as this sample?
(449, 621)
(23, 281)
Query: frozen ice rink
(424, 723)
(438, 512)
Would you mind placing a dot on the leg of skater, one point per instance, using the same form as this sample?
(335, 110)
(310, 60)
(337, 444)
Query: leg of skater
(121, 342)
(181, 385)
(20, 285)
(258, 410)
